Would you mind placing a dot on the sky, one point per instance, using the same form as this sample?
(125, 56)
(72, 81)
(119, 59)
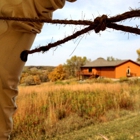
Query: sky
(120, 45)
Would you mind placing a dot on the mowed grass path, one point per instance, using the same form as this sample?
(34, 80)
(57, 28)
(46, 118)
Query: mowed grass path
(78, 111)
(125, 128)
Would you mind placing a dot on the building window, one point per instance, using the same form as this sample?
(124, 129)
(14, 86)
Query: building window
(128, 72)
(90, 70)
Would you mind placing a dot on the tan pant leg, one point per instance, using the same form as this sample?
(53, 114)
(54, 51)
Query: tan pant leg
(7, 108)
(10, 70)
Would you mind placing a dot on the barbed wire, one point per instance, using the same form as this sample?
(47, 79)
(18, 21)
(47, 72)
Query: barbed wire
(99, 24)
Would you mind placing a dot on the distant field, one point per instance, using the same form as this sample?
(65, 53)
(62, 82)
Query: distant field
(76, 111)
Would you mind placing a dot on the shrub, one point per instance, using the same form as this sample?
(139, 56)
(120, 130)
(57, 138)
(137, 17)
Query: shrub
(57, 74)
(124, 79)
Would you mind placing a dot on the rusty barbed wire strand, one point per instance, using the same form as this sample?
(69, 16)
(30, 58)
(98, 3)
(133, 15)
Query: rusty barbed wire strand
(54, 21)
(124, 28)
(126, 15)
(118, 18)
(99, 23)
(25, 53)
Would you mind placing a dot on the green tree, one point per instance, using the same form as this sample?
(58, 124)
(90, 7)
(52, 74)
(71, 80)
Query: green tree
(111, 58)
(73, 65)
(57, 74)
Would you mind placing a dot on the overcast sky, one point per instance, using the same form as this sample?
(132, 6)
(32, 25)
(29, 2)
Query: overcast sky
(107, 43)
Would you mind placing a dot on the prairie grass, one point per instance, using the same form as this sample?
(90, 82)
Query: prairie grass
(50, 109)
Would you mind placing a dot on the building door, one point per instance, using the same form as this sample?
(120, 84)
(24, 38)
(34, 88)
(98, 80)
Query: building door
(128, 72)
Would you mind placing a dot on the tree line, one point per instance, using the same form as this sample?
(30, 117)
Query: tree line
(35, 75)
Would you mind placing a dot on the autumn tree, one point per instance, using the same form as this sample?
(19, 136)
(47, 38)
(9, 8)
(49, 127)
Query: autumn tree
(138, 52)
(73, 65)
(57, 74)
(36, 79)
(29, 80)
(44, 76)
(34, 75)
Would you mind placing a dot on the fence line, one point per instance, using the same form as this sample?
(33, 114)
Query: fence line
(99, 24)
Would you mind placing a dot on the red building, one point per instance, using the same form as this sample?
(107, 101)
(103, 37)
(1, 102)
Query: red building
(110, 69)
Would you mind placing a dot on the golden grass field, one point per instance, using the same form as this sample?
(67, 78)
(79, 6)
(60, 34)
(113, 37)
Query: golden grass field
(50, 109)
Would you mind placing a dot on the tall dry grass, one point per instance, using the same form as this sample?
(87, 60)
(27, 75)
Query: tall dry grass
(46, 108)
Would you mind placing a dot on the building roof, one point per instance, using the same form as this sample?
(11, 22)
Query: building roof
(101, 62)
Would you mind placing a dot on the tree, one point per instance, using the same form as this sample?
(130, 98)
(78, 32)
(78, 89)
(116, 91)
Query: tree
(44, 75)
(111, 58)
(33, 76)
(29, 80)
(73, 64)
(57, 74)
(138, 52)
(37, 80)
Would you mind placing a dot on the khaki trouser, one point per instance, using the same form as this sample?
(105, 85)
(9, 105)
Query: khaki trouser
(14, 38)
(10, 69)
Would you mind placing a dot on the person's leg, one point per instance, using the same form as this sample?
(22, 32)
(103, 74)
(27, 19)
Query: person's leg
(7, 108)
(10, 70)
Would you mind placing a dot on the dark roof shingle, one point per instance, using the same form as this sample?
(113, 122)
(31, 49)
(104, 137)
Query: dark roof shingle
(101, 62)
